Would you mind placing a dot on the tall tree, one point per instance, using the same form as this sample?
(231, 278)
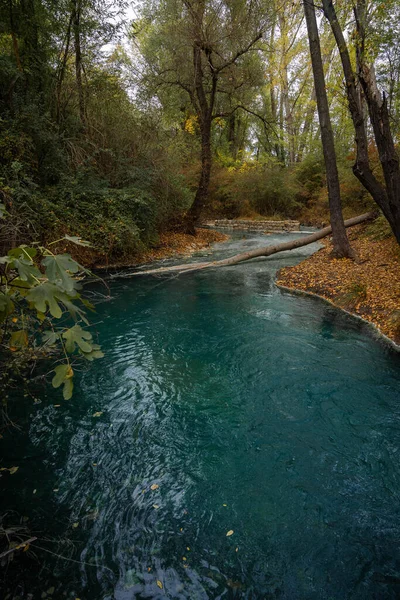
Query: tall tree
(205, 49)
(387, 197)
(341, 246)
(76, 14)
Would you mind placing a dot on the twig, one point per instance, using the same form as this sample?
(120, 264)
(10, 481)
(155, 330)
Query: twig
(22, 545)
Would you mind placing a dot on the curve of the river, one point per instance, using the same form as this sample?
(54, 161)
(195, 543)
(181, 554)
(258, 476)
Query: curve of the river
(222, 404)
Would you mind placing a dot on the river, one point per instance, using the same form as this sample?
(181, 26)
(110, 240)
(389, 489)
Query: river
(222, 405)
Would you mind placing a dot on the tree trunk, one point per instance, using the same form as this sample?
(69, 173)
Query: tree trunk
(232, 134)
(77, 9)
(272, 92)
(259, 252)
(15, 39)
(201, 196)
(285, 88)
(378, 114)
(341, 246)
(60, 78)
(308, 120)
(309, 116)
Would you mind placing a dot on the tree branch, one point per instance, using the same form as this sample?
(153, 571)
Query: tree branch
(240, 53)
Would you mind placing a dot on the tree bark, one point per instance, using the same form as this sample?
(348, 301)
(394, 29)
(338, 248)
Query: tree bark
(285, 88)
(309, 116)
(201, 196)
(63, 66)
(204, 111)
(272, 91)
(77, 9)
(341, 246)
(387, 199)
(379, 116)
(259, 252)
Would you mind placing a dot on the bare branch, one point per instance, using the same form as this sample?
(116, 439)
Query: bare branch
(240, 53)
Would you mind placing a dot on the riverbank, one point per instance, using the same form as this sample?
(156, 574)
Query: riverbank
(181, 244)
(368, 288)
(170, 245)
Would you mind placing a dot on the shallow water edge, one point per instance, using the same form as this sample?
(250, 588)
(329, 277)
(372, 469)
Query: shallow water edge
(376, 332)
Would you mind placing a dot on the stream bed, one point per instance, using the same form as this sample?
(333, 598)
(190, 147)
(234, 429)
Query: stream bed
(222, 405)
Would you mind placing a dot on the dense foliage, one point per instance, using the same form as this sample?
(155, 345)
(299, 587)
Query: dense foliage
(103, 169)
(101, 125)
(39, 297)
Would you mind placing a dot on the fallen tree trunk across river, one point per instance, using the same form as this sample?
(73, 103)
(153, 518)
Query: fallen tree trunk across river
(264, 251)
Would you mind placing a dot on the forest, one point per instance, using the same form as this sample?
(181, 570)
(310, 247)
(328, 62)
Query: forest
(126, 130)
(117, 124)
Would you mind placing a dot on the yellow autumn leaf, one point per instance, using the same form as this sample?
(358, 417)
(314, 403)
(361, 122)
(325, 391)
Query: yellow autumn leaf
(230, 532)
(160, 585)
(97, 414)
(155, 486)
(13, 470)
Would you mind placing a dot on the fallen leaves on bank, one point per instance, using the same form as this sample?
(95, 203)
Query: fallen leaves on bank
(368, 287)
(178, 244)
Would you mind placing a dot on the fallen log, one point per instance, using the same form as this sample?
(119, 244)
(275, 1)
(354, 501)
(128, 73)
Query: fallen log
(264, 251)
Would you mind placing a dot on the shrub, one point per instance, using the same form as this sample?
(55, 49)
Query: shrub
(251, 189)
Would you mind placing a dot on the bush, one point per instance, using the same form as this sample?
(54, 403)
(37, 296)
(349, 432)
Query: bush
(252, 189)
(117, 222)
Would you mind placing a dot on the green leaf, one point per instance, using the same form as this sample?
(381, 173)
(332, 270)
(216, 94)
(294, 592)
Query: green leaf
(62, 374)
(6, 307)
(3, 211)
(20, 286)
(21, 259)
(74, 311)
(95, 353)
(50, 337)
(77, 240)
(19, 339)
(68, 389)
(48, 294)
(23, 252)
(57, 268)
(76, 336)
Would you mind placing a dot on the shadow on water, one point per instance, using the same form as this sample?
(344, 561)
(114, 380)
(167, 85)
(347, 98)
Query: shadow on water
(226, 405)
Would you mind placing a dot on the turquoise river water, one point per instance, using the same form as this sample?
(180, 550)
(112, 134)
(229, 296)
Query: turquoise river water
(223, 404)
